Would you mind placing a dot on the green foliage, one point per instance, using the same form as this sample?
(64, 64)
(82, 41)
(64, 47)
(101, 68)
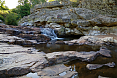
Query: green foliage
(2, 7)
(1, 18)
(34, 2)
(3, 14)
(50, 0)
(75, 4)
(24, 10)
(12, 18)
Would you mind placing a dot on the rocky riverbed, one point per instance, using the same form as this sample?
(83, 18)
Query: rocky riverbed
(16, 60)
(33, 48)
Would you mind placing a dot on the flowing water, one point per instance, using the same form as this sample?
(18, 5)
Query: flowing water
(78, 65)
(49, 32)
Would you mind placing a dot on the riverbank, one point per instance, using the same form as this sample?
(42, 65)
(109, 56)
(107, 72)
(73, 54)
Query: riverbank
(16, 60)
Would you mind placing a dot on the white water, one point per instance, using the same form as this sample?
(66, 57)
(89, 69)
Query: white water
(50, 33)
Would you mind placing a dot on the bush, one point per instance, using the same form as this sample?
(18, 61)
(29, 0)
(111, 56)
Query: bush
(1, 18)
(12, 19)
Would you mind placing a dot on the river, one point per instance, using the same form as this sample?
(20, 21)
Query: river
(80, 66)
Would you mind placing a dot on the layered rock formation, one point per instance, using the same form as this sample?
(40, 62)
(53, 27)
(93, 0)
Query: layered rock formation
(105, 7)
(91, 40)
(16, 60)
(70, 21)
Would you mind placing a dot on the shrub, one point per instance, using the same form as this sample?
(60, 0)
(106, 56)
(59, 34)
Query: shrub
(12, 18)
(1, 18)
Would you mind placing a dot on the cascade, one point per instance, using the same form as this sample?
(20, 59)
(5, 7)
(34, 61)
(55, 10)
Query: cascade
(49, 32)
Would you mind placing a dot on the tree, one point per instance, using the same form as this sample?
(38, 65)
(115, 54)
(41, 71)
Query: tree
(1, 18)
(34, 2)
(23, 8)
(2, 7)
(23, 2)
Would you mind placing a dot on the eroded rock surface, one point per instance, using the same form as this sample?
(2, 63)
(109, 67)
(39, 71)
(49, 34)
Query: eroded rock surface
(24, 60)
(56, 72)
(95, 66)
(59, 57)
(71, 21)
(98, 40)
(24, 39)
(16, 60)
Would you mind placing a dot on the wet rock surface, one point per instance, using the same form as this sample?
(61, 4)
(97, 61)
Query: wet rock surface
(56, 71)
(41, 26)
(96, 66)
(94, 40)
(59, 57)
(24, 60)
(102, 77)
(16, 60)
(22, 35)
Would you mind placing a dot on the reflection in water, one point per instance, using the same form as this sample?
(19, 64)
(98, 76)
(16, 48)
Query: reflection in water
(80, 66)
(105, 71)
(48, 48)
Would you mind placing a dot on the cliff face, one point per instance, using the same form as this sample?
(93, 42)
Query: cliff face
(67, 20)
(105, 7)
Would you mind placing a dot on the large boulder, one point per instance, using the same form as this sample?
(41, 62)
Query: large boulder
(69, 20)
(14, 60)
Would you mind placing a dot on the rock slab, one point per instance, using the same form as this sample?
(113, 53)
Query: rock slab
(95, 66)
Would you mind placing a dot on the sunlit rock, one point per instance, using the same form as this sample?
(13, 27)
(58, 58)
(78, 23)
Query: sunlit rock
(68, 18)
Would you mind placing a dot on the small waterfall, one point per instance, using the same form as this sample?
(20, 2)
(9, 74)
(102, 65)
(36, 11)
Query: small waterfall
(49, 32)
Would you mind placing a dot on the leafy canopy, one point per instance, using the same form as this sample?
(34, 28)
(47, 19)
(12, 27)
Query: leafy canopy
(2, 6)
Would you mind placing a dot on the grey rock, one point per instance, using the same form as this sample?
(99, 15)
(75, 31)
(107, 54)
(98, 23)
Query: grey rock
(95, 66)
(57, 71)
(81, 19)
(59, 57)
(23, 77)
(1, 21)
(15, 61)
(53, 70)
(98, 40)
(83, 23)
(100, 6)
(105, 52)
(59, 42)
